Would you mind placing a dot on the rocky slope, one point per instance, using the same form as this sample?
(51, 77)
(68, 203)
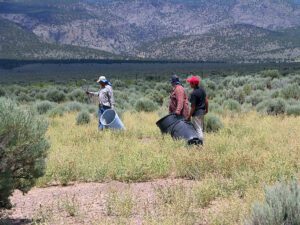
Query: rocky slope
(199, 29)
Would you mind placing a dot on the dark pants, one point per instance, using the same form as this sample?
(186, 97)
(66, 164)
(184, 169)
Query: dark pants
(100, 112)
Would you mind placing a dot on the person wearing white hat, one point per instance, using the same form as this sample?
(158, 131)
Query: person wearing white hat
(105, 96)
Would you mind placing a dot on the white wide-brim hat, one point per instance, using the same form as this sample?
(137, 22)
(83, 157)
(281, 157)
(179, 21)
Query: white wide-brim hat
(102, 79)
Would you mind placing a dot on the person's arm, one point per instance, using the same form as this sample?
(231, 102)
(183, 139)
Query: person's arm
(92, 93)
(110, 96)
(192, 111)
(206, 105)
(179, 92)
(111, 99)
(193, 106)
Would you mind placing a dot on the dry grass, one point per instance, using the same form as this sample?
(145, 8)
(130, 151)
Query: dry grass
(232, 168)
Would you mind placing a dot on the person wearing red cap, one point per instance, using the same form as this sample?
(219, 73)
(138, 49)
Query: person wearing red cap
(199, 105)
(178, 99)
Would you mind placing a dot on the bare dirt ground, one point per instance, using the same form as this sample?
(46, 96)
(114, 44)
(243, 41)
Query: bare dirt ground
(87, 203)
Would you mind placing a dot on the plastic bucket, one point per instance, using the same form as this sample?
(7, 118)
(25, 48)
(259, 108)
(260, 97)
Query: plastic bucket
(186, 130)
(165, 124)
(178, 128)
(111, 120)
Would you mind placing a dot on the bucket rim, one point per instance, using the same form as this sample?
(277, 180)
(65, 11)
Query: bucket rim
(171, 114)
(106, 124)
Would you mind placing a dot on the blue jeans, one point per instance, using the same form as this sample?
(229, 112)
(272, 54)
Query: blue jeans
(100, 112)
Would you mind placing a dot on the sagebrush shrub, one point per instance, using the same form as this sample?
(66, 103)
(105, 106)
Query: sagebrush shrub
(73, 106)
(291, 91)
(2, 92)
(232, 105)
(57, 111)
(145, 105)
(293, 110)
(22, 97)
(276, 106)
(281, 206)
(237, 94)
(215, 107)
(83, 118)
(44, 106)
(270, 73)
(119, 84)
(78, 95)
(55, 95)
(156, 97)
(212, 123)
(166, 87)
(23, 149)
(92, 108)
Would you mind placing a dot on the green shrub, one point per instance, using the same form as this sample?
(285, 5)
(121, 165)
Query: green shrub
(44, 106)
(156, 97)
(232, 105)
(276, 106)
(22, 97)
(92, 108)
(237, 82)
(166, 87)
(270, 73)
(293, 110)
(22, 150)
(207, 83)
(291, 91)
(237, 94)
(215, 107)
(246, 107)
(275, 94)
(55, 95)
(2, 92)
(73, 106)
(78, 95)
(40, 96)
(262, 106)
(83, 118)
(212, 123)
(255, 98)
(57, 111)
(119, 84)
(247, 88)
(281, 206)
(145, 105)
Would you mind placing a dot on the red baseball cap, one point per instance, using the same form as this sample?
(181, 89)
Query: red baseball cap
(193, 80)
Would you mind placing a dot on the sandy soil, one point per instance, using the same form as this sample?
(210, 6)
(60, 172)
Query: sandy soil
(86, 200)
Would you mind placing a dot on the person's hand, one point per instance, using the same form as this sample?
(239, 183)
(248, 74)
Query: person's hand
(206, 111)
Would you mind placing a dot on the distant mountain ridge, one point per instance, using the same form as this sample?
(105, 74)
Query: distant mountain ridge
(165, 29)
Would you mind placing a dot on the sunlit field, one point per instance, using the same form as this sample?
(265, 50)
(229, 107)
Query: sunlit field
(139, 176)
(226, 175)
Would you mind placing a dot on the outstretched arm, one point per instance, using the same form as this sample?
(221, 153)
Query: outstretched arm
(92, 93)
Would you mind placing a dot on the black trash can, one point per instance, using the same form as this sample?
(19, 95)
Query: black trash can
(178, 128)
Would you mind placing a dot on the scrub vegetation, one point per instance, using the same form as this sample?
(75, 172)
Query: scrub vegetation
(252, 141)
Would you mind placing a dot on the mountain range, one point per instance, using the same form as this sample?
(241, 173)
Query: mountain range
(214, 30)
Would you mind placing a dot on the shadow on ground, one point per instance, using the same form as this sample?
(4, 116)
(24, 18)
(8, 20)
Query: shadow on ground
(8, 221)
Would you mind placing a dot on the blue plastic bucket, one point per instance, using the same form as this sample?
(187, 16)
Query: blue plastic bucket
(111, 120)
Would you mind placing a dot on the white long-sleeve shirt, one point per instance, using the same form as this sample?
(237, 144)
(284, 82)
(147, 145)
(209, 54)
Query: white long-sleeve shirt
(106, 96)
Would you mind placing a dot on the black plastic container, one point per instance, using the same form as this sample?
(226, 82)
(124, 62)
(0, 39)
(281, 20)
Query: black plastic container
(178, 128)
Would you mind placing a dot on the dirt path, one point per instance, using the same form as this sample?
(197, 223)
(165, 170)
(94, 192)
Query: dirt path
(88, 203)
